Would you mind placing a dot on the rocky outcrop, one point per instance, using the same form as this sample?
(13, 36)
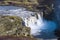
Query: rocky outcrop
(12, 26)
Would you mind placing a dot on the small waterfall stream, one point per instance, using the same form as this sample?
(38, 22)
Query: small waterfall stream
(30, 19)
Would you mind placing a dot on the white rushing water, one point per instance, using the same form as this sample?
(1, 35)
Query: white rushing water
(37, 25)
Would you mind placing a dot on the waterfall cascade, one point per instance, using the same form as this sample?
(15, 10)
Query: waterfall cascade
(32, 19)
(34, 23)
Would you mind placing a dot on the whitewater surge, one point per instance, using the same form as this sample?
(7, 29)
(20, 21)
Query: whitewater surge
(33, 20)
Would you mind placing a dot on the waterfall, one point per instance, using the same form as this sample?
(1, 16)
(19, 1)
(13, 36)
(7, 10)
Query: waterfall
(40, 20)
(34, 23)
(37, 25)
